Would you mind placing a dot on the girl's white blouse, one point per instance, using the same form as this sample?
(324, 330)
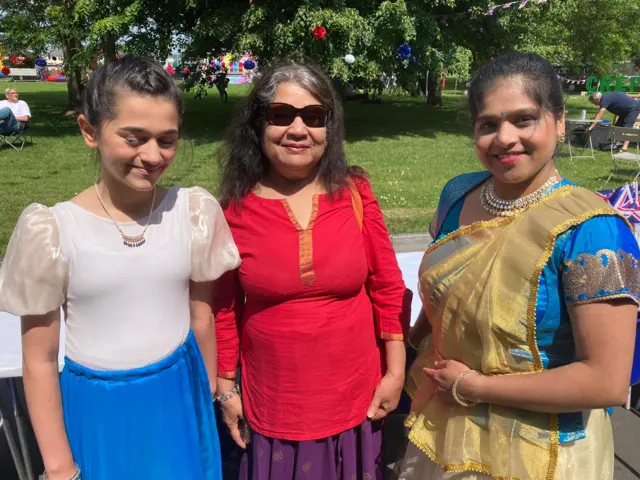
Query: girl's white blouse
(125, 307)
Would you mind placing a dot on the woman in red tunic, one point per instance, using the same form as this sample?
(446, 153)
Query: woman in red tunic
(314, 315)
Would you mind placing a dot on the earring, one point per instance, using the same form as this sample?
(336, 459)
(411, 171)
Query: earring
(561, 139)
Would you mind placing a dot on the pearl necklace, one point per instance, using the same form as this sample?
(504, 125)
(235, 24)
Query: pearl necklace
(498, 207)
(129, 240)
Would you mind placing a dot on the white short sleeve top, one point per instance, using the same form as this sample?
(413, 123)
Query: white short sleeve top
(19, 108)
(126, 307)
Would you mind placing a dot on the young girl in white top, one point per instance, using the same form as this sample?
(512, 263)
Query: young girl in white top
(131, 263)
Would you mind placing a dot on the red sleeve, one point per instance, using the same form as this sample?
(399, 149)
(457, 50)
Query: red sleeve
(390, 298)
(228, 303)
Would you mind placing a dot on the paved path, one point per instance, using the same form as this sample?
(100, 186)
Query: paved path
(411, 242)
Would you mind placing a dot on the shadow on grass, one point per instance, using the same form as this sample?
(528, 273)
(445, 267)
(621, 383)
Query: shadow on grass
(205, 120)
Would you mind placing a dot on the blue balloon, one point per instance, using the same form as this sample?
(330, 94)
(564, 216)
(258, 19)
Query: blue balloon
(1, 75)
(249, 65)
(41, 62)
(404, 51)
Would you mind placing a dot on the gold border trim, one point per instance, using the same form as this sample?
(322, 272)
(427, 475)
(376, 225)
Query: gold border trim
(392, 336)
(305, 241)
(606, 298)
(531, 312)
(457, 468)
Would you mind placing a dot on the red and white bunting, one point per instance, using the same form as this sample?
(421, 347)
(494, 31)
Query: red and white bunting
(522, 4)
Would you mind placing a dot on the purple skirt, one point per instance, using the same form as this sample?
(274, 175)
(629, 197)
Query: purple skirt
(351, 455)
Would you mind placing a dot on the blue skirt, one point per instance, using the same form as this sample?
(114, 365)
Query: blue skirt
(154, 422)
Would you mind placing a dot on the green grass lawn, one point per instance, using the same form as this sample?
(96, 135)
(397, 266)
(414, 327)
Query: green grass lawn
(409, 150)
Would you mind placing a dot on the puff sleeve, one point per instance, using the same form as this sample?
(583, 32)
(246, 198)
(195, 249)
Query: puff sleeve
(34, 273)
(213, 251)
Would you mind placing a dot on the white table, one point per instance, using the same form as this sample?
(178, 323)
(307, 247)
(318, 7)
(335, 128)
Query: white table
(11, 346)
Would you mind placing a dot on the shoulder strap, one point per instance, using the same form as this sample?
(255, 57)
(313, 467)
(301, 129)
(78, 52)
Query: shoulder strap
(356, 202)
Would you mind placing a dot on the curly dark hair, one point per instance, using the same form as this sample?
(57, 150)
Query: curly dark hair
(242, 162)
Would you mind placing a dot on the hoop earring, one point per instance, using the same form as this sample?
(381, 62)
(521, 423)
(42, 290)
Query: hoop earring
(562, 138)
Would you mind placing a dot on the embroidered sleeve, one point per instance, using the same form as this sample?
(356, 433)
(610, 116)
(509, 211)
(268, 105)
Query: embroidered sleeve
(602, 262)
(33, 275)
(601, 276)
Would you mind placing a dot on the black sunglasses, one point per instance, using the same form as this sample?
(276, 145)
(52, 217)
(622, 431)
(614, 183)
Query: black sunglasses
(283, 115)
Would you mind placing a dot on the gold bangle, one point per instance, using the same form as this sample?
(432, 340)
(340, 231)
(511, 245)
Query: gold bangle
(454, 390)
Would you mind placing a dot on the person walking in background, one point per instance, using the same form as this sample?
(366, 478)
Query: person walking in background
(222, 82)
(316, 313)
(530, 295)
(132, 264)
(619, 103)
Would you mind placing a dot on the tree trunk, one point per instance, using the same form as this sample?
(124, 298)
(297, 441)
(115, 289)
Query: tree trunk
(434, 92)
(109, 47)
(74, 76)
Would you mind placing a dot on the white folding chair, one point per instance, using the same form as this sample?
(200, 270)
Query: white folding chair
(621, 134)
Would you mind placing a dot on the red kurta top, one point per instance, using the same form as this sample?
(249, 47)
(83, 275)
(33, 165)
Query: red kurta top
(308, 348)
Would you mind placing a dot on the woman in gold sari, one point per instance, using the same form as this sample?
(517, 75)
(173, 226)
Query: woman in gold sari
(530, 293)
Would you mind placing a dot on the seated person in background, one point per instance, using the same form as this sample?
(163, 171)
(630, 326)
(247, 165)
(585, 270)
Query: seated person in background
(619, 103)
(14, 113)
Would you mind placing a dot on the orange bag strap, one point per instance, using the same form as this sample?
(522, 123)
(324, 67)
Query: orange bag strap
(356, 202)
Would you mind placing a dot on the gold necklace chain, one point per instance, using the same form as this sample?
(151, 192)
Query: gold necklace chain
(129, 240)
(499, 207)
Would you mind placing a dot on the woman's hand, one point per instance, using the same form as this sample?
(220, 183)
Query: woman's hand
(232, 414)
(443, 376)
(386, 396)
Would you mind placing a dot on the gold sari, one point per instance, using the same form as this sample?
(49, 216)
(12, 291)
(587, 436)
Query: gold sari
(479, 288)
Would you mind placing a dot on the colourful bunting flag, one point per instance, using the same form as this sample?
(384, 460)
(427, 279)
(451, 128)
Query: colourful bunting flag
(523, 4)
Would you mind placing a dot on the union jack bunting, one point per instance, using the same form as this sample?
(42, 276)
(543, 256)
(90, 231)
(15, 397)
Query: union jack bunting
(625, 200)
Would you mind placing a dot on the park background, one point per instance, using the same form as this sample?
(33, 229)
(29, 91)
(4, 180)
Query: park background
(407, 128)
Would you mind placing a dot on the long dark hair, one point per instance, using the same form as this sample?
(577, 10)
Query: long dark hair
(242, 161)
(540, 81)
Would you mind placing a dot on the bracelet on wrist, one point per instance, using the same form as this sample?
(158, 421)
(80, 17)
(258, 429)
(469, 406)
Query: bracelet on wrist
(454, 390)
(226, 396)
(75, 476)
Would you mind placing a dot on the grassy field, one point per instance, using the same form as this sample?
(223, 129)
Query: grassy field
(409, 149)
